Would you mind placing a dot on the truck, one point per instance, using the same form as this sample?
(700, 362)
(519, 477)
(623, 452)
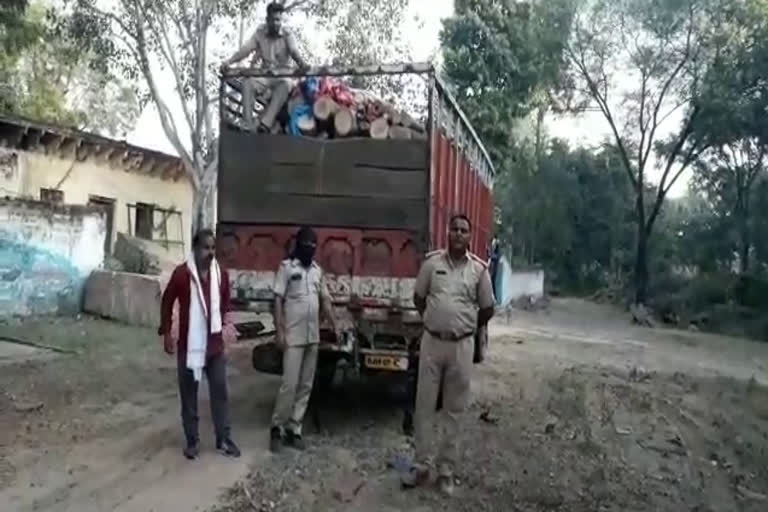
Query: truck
(377, 205)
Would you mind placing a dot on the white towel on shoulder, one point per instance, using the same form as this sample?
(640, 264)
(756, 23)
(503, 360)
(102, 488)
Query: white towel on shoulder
(197, 337)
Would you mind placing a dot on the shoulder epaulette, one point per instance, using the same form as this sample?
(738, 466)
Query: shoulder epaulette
(432, 254)
(474, 257)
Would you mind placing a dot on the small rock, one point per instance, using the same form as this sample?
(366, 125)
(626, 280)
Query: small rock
(28, 406)
(750, 494)
(519, 342)
(487, 417)
(346, 490)
(641, 316)
(624, 431)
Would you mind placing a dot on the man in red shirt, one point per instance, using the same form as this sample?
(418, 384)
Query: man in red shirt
(202, 290)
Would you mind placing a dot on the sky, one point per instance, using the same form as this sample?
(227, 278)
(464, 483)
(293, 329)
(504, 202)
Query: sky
(423, 24)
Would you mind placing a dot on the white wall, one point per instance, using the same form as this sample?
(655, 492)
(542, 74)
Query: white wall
(46, 253)
(513, 284)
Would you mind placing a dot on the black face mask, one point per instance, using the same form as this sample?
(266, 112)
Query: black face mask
(305, 254)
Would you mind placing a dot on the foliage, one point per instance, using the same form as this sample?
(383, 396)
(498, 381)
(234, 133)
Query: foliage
(665, 48)
(503, 57)
(57, 77)
(733, 124)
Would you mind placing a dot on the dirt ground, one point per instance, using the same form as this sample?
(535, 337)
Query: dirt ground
(584, 413)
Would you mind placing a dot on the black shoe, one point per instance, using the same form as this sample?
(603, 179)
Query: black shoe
(228, 447)
(295, 441)
(275, 440)
(192, 450)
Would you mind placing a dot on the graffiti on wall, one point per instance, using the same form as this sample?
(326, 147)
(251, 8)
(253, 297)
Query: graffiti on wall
(255, 285)
(46, 253)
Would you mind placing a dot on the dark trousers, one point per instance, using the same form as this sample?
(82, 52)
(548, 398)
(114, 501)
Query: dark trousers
(216, 372)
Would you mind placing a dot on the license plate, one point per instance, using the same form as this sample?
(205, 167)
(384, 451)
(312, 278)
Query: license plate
(392, 363)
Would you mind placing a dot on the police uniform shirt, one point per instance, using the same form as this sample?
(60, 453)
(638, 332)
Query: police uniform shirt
(301, 289)
(455, 292)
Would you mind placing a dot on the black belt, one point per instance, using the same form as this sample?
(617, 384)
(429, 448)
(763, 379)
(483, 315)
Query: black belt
(448, 336)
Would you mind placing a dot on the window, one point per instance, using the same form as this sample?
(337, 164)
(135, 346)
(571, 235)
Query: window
(50, 195)
(145, 214)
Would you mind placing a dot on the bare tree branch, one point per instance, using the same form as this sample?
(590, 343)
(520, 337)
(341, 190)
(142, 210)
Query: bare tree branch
(579, 61)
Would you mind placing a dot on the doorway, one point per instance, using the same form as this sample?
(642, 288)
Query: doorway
(108, 205)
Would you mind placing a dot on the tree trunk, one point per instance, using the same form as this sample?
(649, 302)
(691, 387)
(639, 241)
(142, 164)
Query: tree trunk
(742, 218)
(641, 264)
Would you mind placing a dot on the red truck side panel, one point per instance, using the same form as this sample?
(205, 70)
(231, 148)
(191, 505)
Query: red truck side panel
(457, 187)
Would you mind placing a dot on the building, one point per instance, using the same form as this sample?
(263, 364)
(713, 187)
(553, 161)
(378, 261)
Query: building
(64, 197)
(144, 193)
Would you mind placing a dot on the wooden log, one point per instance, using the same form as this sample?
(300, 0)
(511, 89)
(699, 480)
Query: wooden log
(379, 128)
(400, 133)
(324, 108)
(345, 122)
(375, 110)
(395, 118)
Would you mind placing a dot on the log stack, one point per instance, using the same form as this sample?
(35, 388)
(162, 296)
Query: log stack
(341, 112)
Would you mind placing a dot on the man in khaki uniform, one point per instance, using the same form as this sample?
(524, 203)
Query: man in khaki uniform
(275, 47)
(454, 295)
(300, 293)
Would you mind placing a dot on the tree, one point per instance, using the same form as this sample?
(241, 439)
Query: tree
(176, 37)
(59, 77)
(502, 58)
(642, 63)
(733, 125)
(16, 33)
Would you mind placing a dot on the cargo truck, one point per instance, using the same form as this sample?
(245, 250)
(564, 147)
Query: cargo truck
(377, 205)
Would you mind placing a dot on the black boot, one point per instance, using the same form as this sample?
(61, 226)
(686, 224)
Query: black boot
(192, 450)
(227, 447)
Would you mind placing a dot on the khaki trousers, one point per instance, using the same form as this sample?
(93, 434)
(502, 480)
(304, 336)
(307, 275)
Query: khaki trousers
(299, 363)
(277, 89)
(446, 363)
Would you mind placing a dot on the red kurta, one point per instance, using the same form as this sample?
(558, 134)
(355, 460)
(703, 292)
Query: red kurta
(179, 289)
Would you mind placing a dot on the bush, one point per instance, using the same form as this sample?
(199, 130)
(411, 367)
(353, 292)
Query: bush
(718, 302)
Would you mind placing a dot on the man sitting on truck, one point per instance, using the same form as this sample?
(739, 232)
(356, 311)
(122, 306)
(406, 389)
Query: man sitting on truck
(300, 295)
(275, 47)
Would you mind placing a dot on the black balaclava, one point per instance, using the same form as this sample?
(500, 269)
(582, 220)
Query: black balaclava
(306, 243)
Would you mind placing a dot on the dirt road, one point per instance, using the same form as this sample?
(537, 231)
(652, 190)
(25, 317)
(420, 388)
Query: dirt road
(586, 414)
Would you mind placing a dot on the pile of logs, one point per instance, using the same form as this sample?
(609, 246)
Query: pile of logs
(333, 111)
(366, 117)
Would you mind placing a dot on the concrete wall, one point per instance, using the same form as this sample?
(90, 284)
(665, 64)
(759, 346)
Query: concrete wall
(46, 254)
(23, 174)
(133, 299)
(514, 284)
